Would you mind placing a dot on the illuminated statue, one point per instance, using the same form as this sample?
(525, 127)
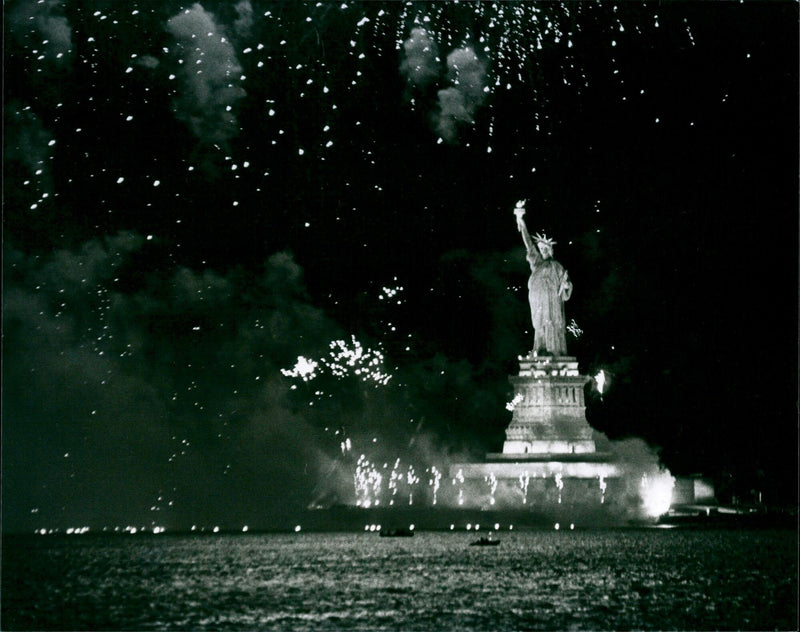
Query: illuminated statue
(548, 287)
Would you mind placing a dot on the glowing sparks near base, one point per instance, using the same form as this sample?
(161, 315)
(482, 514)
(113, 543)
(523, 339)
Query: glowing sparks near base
(631, 489)
(559, 484)
(402, 482)
(600, 381)
(434, 481)
(491, 481)
(656, 493)
(524, 481)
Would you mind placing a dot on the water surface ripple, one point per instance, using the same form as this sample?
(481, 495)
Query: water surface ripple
(538, 580)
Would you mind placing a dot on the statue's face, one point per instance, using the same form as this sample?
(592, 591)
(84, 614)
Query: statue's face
(545, 249)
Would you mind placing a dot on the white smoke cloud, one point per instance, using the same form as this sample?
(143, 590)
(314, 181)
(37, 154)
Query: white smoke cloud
(119, 367)
(45, 16)
(56, 29)
(453, 111)
(147, 61)
(245, 18)
(210, 76)
(420, 65)
(458, 104)
(28, 142)
(466, 72)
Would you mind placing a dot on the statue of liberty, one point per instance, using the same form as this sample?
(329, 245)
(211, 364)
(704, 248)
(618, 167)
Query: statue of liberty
(548, 287)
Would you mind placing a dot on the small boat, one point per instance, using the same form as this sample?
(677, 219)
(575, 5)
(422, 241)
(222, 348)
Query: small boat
(397, 533)
(485, 541)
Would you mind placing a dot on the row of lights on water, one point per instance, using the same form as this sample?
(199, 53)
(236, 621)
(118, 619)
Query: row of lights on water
(477, 527)
(377, 527)
(469, 527)
(129, 529)
(83, 530)
(245, 529)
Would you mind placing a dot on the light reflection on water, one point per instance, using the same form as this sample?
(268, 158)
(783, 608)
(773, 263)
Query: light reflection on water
(616, 579)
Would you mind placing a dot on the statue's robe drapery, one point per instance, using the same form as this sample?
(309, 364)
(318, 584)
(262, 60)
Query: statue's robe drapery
(548, 287)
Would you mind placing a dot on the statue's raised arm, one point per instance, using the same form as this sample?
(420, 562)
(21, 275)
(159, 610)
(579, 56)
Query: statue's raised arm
(519, 212)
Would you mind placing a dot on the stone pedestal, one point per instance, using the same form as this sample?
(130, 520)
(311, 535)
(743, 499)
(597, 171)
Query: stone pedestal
(549, 413)
(549, 460)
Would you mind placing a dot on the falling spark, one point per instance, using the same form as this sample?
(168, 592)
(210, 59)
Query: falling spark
(559, 484)
(524, 479)
(510, 406)
(434, 482)
(491, 480)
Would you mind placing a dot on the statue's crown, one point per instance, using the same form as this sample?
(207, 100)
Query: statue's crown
(544, 239)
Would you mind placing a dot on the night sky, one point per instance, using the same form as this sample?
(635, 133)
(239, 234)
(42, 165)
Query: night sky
(196, 195)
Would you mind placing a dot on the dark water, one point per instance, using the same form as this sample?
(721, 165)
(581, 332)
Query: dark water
(588, 580)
